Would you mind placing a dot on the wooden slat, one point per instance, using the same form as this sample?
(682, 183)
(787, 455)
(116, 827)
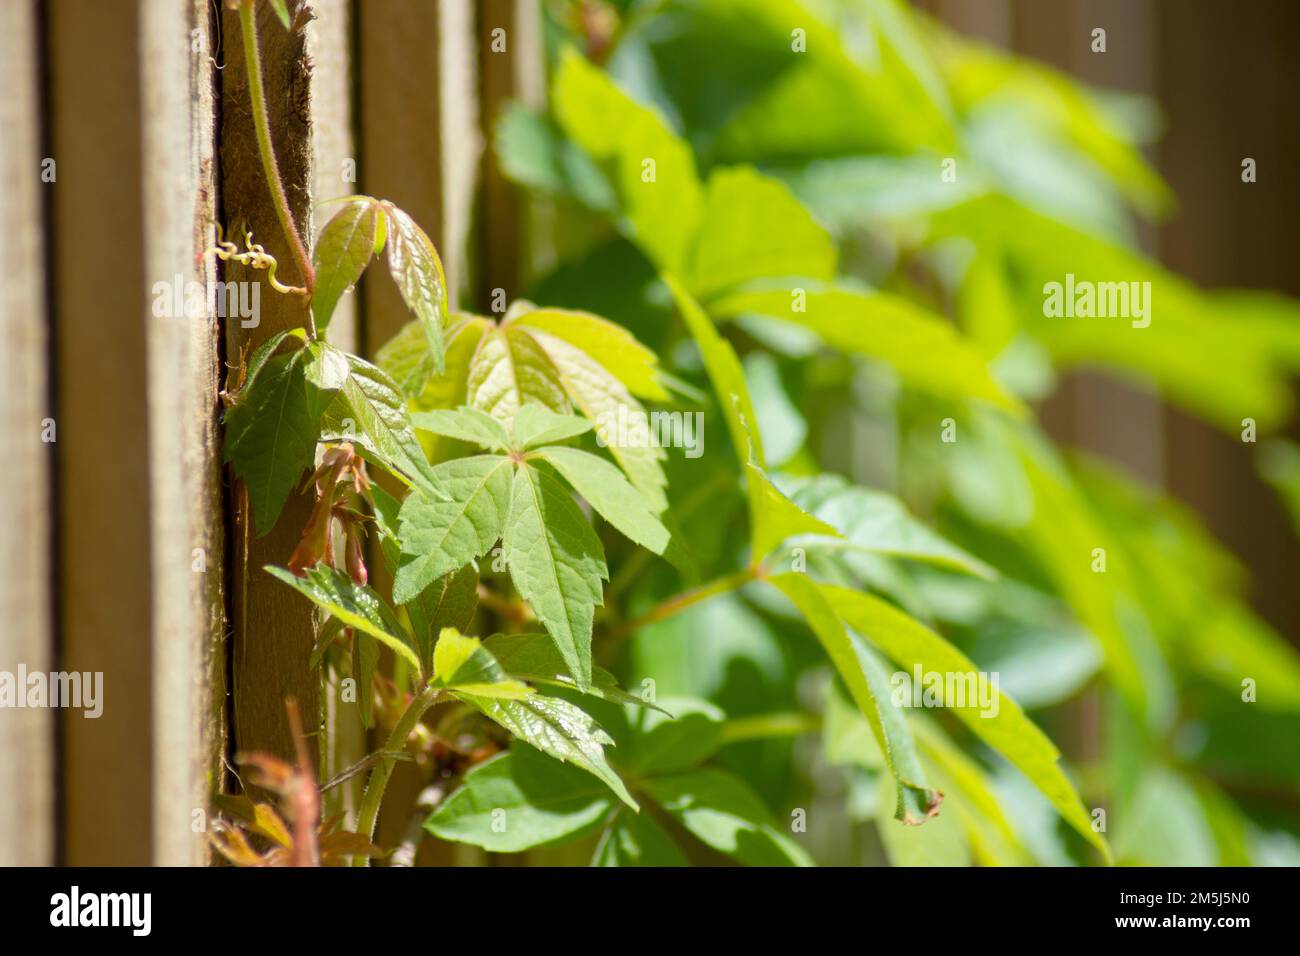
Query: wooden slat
(329, 44)
(273, 629)
(136, 399)
(419, 135)
(26, 736)
(334, 154)
(105, 549)
(419, 147)
(185, 515)
(1228, 75)
(517, 72)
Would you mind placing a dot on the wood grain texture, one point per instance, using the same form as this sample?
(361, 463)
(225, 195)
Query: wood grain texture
(420, 140)
(334, 155)
(419, 145)
(26, 736)
(139, 572)
(186, 520)
(273, 627)
(511, 68)
(105, 549)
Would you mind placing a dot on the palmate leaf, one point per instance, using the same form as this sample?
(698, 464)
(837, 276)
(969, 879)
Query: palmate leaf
(613, 346)
(556, 563)
(417, 270)
(442, 531)
(272, 429)
(369, 412)
(534, 426)
(405, 358)
(606, 490)
(868, 685)
(466, 424)
(603, 398)
(356, 605)
(508, 370)
(343, 250)
(911, 644)
(546, 803)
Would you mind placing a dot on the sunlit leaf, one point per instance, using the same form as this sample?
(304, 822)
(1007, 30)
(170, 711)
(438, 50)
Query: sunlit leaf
(556, 563)
(356, 605)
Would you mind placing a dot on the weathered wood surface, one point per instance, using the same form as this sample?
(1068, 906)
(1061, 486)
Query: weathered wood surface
(273, 629)
(139, 532)
(26, 736)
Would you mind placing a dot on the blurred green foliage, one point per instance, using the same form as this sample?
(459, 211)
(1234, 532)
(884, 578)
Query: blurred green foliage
(798, 153)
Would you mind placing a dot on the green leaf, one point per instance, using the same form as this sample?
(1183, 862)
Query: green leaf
(556, 563)
(356, 605)
(878, 522)
(941, 842)
(533, 152)
(634, 839)
(535, 426)
(988, 830)
(520, 800)
(343, 250)
(536, 659)
(602, 398)
(869, 687)
(924, 349)
(462, 664)
(443, 530)
(614, 347)
(417, 270)
(609, 493)
(556, 727)
(510, 369)
(912, 645)
(271, 430)
(370, 412)
(725, 374)
(467, 424)
(282, 12)
(753, 228)
(775, 518)
(726, 815)
(365, 661)
(449, 601)
(664, 743)
(406, 359)
(1228, 643)
(651, 169)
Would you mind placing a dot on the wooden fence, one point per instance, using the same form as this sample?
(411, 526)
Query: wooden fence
(126, 549)
(125, 137)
